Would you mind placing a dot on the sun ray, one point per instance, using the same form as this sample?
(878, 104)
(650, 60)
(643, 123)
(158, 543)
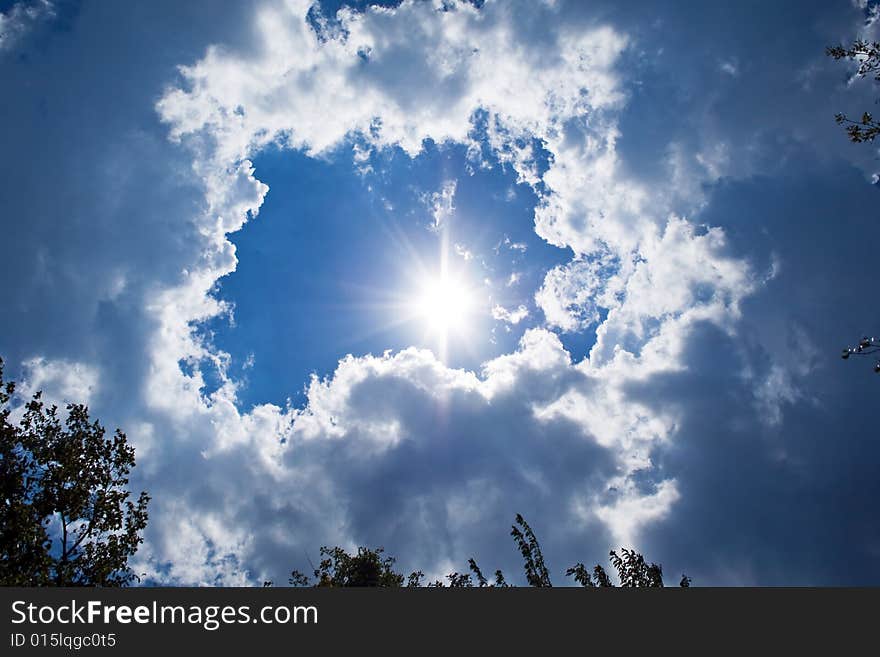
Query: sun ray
(434, 296)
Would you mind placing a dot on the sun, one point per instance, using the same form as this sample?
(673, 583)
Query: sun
(444, 303)
(440, 304)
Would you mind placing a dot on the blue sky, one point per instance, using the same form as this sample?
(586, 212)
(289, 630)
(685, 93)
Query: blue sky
(226, 232)
(294, 324)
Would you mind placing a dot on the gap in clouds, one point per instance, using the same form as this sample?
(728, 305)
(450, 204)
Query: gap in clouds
(335, 244)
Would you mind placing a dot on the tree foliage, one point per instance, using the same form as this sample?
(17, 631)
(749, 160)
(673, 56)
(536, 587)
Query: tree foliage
(865, 347)
(867, 54)
(365, 568)
(368, 567)
(65, 514)
(864, 129)
(632, 571)
(536, 571)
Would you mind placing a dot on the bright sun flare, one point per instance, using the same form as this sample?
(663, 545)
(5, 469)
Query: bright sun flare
(444, 303)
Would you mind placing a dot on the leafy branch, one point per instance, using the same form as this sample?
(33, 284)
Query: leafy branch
(867, 54)
(865, 347)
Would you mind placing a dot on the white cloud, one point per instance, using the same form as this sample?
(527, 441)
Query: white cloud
(682, 275)
(20, 19)
(60, 381)
(442, 205)
(424, 74)
(572, 294)
(510, 316)
(463, 251)
(380, 443)
(730, 67)
(631, 510)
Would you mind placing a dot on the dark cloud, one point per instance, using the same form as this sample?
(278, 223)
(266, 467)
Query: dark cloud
(790, 503)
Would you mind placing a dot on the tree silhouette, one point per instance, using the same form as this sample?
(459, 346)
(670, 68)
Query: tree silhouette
(369, 568)
(632, 570)
(65, 514)
(366, 568)
(536, 571)
(866, 128)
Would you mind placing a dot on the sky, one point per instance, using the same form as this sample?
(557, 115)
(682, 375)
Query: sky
(388, 275)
